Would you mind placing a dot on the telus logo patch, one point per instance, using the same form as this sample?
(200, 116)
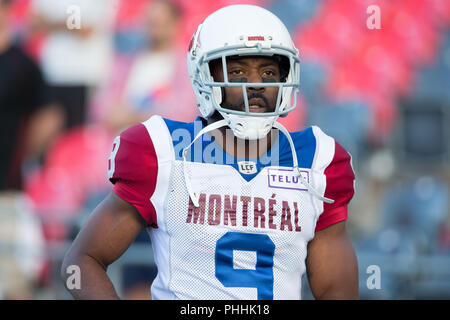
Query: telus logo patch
(287, 179)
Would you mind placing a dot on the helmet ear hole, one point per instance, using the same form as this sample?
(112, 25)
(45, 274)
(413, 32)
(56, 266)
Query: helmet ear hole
(217, 95)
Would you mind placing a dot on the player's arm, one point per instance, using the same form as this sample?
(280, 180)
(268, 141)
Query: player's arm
(331, 264)
(117, 221)
(110, 230)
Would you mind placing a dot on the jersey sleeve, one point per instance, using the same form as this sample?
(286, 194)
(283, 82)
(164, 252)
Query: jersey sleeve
(133, 169)
(339, 187)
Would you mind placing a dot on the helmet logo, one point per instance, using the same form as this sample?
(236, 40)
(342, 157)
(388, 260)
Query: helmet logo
(256, 38)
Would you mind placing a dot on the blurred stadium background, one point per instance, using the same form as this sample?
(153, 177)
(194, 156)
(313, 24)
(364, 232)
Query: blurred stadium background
(384, 94)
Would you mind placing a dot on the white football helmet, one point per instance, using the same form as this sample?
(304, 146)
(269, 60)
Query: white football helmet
(242, 30)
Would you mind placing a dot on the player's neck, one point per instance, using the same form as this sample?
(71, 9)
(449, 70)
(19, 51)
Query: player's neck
(240, 148)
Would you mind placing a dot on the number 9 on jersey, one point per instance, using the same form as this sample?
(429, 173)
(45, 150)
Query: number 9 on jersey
(261, 277)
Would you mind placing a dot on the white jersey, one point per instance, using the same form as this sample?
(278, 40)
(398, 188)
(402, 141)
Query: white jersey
(248, 237)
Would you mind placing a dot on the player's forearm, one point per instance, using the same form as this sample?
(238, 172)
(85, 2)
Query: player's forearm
(332, 266)
(336, 281)
(93, 282)
(340, 292)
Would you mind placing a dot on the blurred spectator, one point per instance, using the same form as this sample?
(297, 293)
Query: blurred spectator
(24, 113)
(22, 248)
(156, 80)
(74, 57)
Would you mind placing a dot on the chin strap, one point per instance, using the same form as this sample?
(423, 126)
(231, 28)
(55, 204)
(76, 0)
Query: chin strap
(222, 123)
(208, 128)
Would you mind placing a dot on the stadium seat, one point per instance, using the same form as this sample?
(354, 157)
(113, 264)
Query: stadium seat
(347, 121)
(294, 13)
(433, 81)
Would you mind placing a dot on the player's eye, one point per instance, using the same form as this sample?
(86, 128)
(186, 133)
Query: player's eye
(236, 72)
(269, 73)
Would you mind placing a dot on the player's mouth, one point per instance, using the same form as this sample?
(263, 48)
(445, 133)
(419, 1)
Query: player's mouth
(257, 108)
(257, 105)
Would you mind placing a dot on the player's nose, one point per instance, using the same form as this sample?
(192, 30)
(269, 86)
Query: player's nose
(254, 77)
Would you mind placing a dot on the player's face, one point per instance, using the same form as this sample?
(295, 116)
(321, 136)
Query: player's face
(249, 69)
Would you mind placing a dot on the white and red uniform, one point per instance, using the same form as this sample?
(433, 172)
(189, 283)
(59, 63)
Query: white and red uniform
(248, 237)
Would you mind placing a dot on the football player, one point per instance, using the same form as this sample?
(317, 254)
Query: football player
(236, 206)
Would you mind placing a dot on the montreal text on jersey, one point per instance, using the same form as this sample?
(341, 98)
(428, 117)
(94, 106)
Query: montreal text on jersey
(263, 210)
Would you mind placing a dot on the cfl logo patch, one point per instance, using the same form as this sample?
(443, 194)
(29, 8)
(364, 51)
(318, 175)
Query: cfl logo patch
(247, 167)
